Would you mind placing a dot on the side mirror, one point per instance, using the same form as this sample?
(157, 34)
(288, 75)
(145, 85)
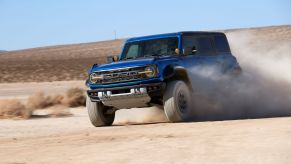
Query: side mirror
(111, 59)
(177, 51)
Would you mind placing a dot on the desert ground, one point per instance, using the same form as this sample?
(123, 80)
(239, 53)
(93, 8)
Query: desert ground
(74, 140)
(139, 135)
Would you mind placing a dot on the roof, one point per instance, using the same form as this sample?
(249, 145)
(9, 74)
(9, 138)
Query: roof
(176, 34)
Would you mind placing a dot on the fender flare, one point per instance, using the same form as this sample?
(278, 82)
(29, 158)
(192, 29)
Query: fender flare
(177, 72)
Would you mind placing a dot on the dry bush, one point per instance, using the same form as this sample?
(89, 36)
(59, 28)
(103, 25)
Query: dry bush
(74, 97)
(54, 100)
(40, 101)
(37, 101)
(14, 109)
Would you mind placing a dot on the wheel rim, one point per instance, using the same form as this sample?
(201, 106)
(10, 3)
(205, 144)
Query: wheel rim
(182, 102)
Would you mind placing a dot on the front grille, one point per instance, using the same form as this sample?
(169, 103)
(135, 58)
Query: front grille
(121, 75)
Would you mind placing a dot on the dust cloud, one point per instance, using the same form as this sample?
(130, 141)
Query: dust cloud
(262, 90)
(153, 114)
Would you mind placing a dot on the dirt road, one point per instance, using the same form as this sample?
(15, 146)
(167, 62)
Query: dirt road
(133, 140)
(23, 90)
(74, 140)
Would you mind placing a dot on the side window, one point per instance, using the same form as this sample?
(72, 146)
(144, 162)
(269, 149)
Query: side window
(195, 45)
(132, 51)
(190, 44)
(221, 44)
(164, 46)
(205, 46)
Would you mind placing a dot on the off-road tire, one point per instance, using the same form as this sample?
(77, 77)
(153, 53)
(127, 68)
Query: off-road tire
(177, 101)
(97, 115)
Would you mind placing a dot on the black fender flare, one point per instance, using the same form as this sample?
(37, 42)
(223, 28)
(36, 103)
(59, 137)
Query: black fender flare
(177, 72)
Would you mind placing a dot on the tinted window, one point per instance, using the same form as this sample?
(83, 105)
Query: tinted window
(165, 46)
(133, 50)
(202, 45)
(221, 43)
(205, 46)
(189, 44)
(154, 47)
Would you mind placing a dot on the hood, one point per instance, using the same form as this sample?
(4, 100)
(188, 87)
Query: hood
(123, 64)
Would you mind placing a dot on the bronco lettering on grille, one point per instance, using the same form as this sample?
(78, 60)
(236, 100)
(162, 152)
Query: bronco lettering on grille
(121, 75)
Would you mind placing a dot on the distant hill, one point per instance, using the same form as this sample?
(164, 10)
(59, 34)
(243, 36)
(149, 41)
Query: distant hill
(2, 51)
(71, 62)
(64, 62)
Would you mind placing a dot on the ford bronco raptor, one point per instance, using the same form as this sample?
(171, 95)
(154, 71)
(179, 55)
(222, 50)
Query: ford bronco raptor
(155, 70)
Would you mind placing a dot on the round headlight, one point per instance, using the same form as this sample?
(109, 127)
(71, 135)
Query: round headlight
(93, 77)
(150, 71)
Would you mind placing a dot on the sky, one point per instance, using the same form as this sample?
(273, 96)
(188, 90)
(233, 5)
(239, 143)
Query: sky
(36, 23)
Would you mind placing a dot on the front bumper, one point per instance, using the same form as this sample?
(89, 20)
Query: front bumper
(125, 84)
(126, 96)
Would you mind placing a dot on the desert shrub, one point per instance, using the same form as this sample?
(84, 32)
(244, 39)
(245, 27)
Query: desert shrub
(54, 100)
(14, 109)
(74, 97)
(40, 101)
(37, 101)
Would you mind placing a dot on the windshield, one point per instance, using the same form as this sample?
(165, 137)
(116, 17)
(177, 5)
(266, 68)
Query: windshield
(154, 47)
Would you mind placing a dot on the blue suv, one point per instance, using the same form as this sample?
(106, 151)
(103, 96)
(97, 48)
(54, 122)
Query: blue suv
(155, 70)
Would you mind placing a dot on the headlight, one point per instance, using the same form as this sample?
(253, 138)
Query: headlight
(94, 77)
(149, 71)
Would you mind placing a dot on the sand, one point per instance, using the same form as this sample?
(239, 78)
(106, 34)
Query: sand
(136, 138)
(74, 140)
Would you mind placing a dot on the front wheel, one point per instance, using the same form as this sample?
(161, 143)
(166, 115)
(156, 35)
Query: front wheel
(97, 113)
(177, 98)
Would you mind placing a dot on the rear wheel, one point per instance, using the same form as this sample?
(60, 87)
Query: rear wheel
(98, 113)
(177, 101)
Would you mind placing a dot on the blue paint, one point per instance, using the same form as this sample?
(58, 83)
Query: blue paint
(224, 60)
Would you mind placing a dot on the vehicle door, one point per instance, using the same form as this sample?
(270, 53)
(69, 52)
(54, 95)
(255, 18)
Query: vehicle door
(199, 53)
